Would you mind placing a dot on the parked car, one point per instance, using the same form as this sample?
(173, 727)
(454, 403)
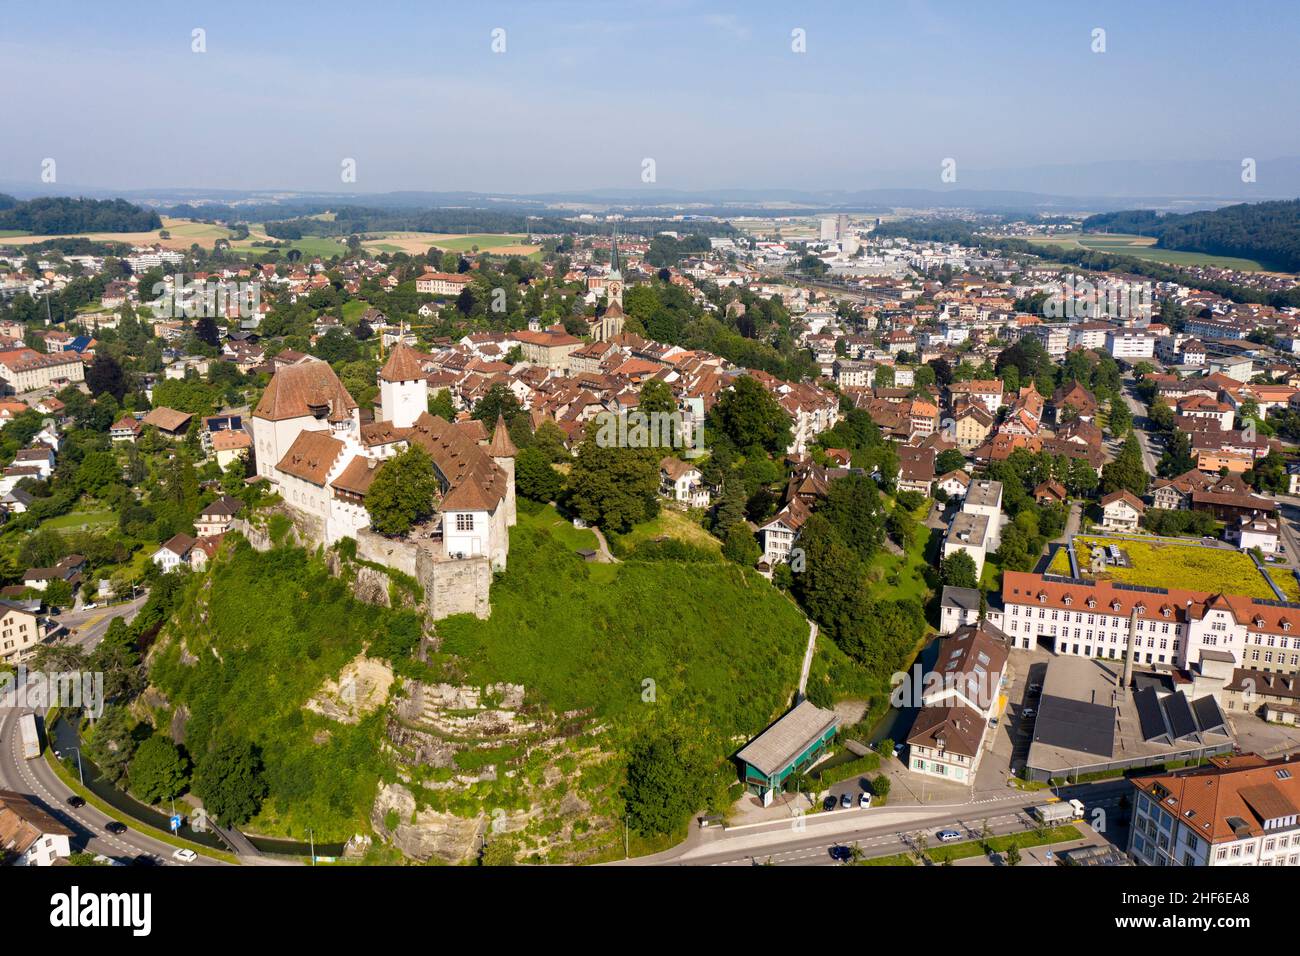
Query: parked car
(185, 855)
(1035, 688)
(948, 836)
(828, 803)
(114, 827)
(898, 749)
(846, 801)
(1028, 712)
(145, 859)
(993, 722)
(864, 799)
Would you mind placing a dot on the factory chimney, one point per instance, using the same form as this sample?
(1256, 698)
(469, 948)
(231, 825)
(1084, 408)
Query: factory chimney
(1130, 651)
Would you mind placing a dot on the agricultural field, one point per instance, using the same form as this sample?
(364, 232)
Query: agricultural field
(1190, 567)
(183, 234)
(1143, 247)
(419, 243)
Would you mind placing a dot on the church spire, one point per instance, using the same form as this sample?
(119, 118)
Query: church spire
(613, 250)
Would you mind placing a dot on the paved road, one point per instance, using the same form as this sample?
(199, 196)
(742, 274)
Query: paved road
(1289, 511)
(1141, 426)
(37, 780)
(878, 831)
(91, 626)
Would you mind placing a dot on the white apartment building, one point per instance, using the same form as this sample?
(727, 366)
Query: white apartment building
(1130, 344)
(1241, 810)
(1172, 627)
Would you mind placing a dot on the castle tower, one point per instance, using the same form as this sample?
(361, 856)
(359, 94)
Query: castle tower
(403, 389)
(503, 452)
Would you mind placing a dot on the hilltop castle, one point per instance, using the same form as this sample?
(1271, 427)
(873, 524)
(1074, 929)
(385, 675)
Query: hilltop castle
(310, 443)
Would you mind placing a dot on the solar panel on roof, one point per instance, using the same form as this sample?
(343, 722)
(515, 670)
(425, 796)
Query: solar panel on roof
(1180, 716)
(1150, 716)
(1209, 718)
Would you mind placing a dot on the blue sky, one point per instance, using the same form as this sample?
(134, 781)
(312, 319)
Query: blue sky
(586, 90)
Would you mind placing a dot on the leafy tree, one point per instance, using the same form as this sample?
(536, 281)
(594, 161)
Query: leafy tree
(534, 476)
(550, 440)
(949, 460)
(958, 570)
(440, 404)
(748, 415)
(1177, 459)
(97, 473)
(105, 376)
(1121, 419)
(666, 772)
(158, 770)
(230, 781)
(108, 742)
(1127, 470)
(740, 545)
(613, 487)
(832, 580)
(402, 493)
(58, 593)
(499, 401)
(854, 509)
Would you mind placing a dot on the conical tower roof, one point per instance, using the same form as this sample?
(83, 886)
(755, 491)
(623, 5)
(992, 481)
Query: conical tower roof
(402, 365)
(501, 446)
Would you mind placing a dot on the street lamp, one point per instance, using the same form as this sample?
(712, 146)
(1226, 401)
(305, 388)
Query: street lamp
(80, 775)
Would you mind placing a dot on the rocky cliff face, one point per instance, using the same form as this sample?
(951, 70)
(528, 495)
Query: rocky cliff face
(477, 765)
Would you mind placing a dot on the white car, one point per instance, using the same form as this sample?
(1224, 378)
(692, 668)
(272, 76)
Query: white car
(185, 855)
(864, 799)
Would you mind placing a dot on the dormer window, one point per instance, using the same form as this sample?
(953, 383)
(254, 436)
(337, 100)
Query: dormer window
(1114, 606)
(1067, 600)
(1165, 612)
(1141, 609)
(1042, 597)
(1286, 625)
(1092, 602)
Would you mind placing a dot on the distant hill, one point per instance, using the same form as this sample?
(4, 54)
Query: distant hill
(1268, 231)
(63, 215)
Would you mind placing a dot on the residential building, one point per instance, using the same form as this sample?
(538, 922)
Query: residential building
(34, 836)
(1241, 810)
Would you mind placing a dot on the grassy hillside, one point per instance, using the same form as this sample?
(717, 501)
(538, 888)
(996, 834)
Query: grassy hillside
(718, 641)
(249, 645)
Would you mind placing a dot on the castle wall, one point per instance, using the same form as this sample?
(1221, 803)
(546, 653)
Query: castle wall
(450, 586)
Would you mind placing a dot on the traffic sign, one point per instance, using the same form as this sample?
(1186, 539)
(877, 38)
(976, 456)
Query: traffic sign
(176, 822)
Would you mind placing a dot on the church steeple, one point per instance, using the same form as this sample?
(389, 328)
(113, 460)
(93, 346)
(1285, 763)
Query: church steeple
(613, 250)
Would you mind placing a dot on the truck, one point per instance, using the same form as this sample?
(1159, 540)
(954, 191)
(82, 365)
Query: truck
(31, 738)
(1061, 811)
